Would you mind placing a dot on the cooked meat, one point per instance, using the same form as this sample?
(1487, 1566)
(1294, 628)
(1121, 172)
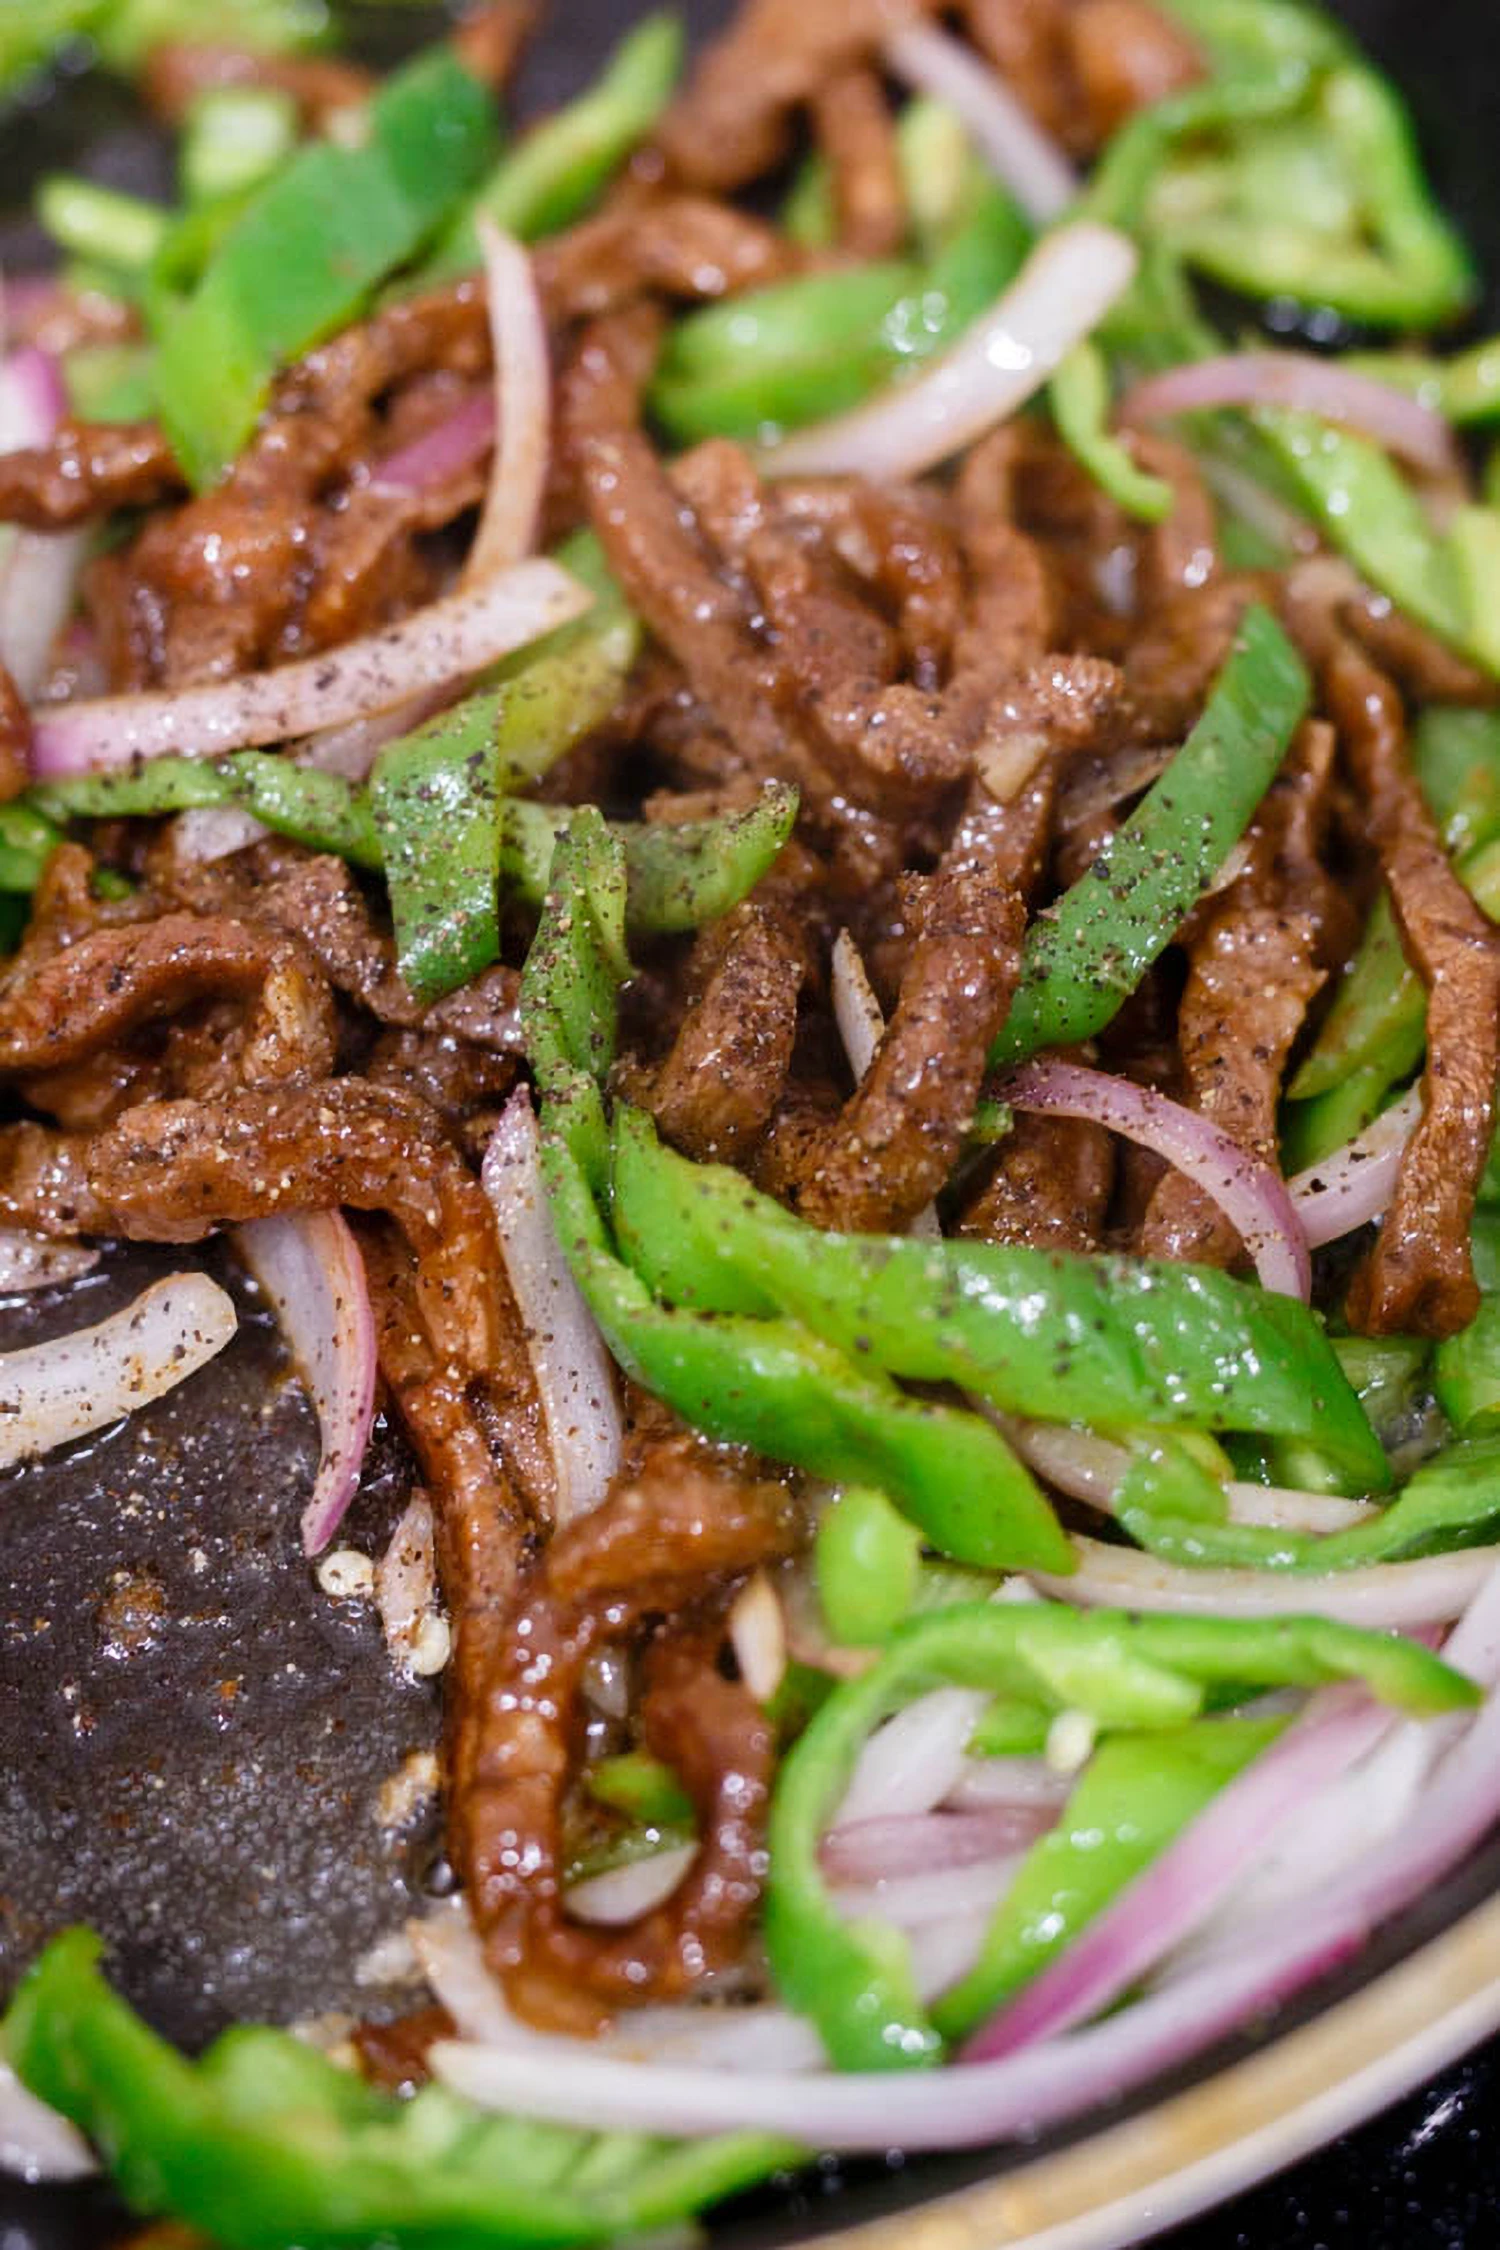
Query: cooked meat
(88, 469)
(857, 135)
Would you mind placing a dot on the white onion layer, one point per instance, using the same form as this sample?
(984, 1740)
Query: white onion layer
(54, 1392)
(29, 1261)
(574, 1378)
(39, 569)
(309, 1266)
(1028, 160)
(523, 377)
(1309, 384)
(451, 639)
(1383, 1596)
(1354, 1185)
(1250, 1194)
(1061, 294)
(37, 2145)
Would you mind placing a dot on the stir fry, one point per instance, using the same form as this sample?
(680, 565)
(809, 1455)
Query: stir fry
(786, 792)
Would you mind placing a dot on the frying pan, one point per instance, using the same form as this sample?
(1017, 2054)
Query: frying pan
(211, 1760)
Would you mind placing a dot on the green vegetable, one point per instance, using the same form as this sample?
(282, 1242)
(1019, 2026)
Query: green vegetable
(1137, 1793)
(302, 258)
(800, 350)
(769, 1384)
(1099, 1340)
(110, 382)
(435, 796)
(562, 166)
(317, 809)
(1466, 1374)
(867, 1559)
(233, 138)
(31, 31)
(855, 1979)
(27, 841)
(1086, 956)
(808, 217)
(120, 232)
(678, 875)
(263, 2141)
(643, 1789)
(1080, 402)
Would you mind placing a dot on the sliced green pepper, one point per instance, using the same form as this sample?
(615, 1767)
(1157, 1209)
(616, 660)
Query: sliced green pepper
(1136, 1794)
(642, 1788)
(233, 138)
(854, 1979)
(120, 232)
(1080, 402)
(318, 809)
(304, 255)
(563, 165)
(28, 838)
(1085, 958)
(1111, 1340)
(1466, 1374)
(867, 1560)
(435, 796)
(678, 875)
(263, 2141)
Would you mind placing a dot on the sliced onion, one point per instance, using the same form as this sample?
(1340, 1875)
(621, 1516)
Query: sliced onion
(406, 1584)
(624, 1894)
(30, 1261)
(1060, 295)
(881, 1851)
(441, 454)
(928, 2109)
(574, 1378)
(523, 408)
(456, 636)
(50, 1393)
(35, 2143)
(350, 751)
(1176, 1893)
(910, 1764)
(212, 832)
(1022, 1785)
(309, 1266)
(757, 1634)
(1355, 1184)
(1028, 160)
(39, 574)
(1250, 1194)
(1309, 385)
(910, 1902)
(1090, 1468)
(1383, 1596)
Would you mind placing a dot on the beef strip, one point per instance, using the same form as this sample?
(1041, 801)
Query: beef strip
(666, 1543)
(673, 245)
(853, 123)
(1419, 1278)
(714, 1094)
(87, 470)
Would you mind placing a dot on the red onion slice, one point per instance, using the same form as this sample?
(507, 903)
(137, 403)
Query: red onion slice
(35, 2143)
(1089, 1468)
(309, 1266)
(573, 1374)
(1028, 160)
(451, 639)
(523, 408)
(1176, 1893)
(39, 575)
(1393, 1597)
(441, 454)
(882, 1851)
(1061, 294)
(1251, 1195)
(74, 1385)
(1309, 385)
(1355, 1184)
(30, 1261)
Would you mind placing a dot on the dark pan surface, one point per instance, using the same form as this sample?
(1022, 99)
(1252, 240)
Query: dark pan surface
(194, 1737)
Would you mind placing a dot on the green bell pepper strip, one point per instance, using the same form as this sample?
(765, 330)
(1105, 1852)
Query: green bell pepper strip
(110, 382)
(1466, 1374)
(233, 138)
(28, 838)
(678, 875)
(1137, 1793)
(317, 809)
(1117, 1341)
(31, 31)
(867, 1562)
(854, 1979)
(263, 2141)
(642, 1788)
(769, 1384)
(807, 214)
(120, 232)
(1080, 402)
(304, 255)
(435, 796)
(1453, 1500)
(1085, 958)
(801, 350)
(1378, 1016)
(563, 165)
